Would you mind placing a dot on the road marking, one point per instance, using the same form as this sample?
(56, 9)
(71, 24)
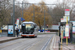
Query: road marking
(54, 42)
(19, 46)
(23, 46)
(34, 44)
(46, 44)
(30, 46)
(12, 43)
(51, 46)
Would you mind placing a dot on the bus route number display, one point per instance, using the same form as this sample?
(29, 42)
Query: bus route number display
(28, 25)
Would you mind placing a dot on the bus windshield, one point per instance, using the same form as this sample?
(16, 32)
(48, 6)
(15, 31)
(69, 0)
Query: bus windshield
(28, 27)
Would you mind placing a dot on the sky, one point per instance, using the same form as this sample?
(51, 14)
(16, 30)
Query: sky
(46, 1)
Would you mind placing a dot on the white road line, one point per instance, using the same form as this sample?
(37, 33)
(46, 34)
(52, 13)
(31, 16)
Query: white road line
(11, 44)
(30, 46)
(33, 44)
(24, 46)
(54, 42)
(19, 46)
(45, 45)
(51, 46)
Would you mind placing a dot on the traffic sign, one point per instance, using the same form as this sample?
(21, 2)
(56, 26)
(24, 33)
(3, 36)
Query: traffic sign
(67, 12)
(62, 20)
(65, 18)
(17, 22)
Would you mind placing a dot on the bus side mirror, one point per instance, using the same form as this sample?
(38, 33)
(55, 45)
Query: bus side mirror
(34, 26)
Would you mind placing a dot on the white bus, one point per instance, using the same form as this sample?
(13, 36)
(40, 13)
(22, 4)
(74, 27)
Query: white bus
(29, 29)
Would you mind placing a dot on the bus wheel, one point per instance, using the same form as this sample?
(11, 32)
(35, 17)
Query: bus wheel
(35, 36)
(22, 36)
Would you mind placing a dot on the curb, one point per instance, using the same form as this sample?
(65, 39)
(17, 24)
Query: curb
(9, 40)
(45, 33)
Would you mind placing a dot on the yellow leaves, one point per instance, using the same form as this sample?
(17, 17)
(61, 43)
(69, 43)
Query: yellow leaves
(43, 6)
(28, 16)
(39, 14)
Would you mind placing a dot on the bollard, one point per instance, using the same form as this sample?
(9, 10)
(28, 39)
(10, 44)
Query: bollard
(67, 31)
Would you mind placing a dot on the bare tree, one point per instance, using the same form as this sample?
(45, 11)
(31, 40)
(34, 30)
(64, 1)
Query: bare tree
(58, 12)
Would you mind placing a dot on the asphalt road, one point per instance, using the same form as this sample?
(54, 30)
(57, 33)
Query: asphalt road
(42, 42)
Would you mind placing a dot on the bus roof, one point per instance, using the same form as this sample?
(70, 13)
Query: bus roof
(29, 22)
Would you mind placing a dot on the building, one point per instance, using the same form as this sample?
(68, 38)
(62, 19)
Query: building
(54, 28)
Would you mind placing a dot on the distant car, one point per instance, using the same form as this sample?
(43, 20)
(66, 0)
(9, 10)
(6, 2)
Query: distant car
(48, 31)
(42, 30)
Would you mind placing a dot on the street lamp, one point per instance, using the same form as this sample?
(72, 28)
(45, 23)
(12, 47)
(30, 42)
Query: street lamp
(33, 13)
(22, 10)
(13, 18)
(44, 20)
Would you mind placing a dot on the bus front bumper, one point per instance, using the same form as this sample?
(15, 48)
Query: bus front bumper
(28, 35)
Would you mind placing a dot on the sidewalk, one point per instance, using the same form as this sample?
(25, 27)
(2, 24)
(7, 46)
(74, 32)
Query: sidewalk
(55, 45)
(5, 39)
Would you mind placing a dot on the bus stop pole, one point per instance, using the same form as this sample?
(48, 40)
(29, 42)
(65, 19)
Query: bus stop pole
(61, 38)
(66, 40)
(67, 36)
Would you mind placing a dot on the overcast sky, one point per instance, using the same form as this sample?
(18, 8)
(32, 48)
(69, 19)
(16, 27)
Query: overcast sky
(46, 1)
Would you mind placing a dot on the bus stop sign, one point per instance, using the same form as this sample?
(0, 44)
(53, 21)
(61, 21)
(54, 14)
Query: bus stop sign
(67, 30)
(67, 12)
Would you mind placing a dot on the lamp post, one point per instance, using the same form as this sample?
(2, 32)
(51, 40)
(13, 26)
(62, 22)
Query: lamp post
(33, 13)
(44, 20)
(22, 10)
(13, 18)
